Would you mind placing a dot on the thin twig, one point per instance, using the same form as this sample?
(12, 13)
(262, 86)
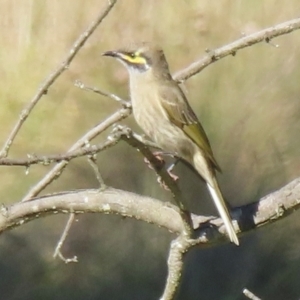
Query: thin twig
(90, 135)
(53, 76)
(265, 35)
(48, 159)
(250, 295)
(33, 159)
(93, 162)
(57, 251)
(81, 85)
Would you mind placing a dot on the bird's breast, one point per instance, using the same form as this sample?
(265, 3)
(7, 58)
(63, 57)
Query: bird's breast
(153, 119)
(147, 109)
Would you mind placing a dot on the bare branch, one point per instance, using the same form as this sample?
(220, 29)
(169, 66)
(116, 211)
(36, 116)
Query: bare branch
(175, 265)
(81, 85)
(57, 251)
(108, 201)
(112, 201)
(270, 208)
(33, 159)
(53, 76)
(48, 159)
(90, 135)
(93, 162)
(265, 35)
(250, 295)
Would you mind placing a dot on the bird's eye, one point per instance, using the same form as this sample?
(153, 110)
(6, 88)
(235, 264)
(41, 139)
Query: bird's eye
(132, 55)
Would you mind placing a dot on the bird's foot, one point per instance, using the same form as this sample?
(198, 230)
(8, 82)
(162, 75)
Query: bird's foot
(170, 169)
(159, 160)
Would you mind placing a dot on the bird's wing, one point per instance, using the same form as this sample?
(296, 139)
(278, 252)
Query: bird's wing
(181, 114)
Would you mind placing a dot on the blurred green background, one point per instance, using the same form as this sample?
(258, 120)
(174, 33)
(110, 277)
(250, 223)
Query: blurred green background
(248, 104)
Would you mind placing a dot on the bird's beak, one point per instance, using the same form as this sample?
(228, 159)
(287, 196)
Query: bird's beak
(110, 53)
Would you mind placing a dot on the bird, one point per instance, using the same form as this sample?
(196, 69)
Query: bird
(163, 112)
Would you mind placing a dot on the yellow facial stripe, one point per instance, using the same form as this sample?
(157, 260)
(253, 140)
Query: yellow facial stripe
(134, 60)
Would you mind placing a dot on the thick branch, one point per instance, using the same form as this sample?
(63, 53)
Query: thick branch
(108, 201)
(175, 265)
(112, 201)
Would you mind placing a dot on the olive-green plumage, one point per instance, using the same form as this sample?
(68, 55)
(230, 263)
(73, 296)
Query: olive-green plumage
(163, 112)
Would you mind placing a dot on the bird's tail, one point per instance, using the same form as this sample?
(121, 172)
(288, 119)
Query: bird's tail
(222, 209)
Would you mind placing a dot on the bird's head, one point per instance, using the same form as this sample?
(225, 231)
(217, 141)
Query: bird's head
(141, 58)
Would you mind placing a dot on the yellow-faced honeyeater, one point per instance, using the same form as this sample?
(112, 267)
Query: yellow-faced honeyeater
(163, 112)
